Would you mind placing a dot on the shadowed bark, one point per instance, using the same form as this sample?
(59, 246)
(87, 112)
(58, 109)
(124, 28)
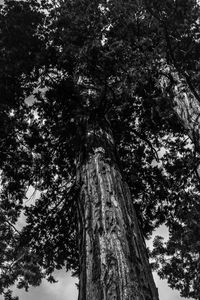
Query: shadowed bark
(187, 108)
(185, 104)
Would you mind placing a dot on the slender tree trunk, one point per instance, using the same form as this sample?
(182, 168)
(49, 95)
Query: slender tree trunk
(113, 260)
(186, 105)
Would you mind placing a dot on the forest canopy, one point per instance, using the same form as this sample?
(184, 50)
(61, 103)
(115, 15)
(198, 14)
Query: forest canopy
(69, 65)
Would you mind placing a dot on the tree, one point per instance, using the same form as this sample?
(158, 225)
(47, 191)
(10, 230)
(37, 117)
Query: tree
(178, 260)
(179, 70)
(20, 50)
(99, 113)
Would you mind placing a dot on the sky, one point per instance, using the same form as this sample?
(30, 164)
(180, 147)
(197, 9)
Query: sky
(65, 288)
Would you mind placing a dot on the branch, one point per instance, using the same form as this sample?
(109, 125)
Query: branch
(148, 142)
(10, 224)
(183, 73)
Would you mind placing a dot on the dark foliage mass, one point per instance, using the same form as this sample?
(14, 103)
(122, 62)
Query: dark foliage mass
(85, 63)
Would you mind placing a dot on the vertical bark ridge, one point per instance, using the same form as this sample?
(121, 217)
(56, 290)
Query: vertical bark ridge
(186, 105)
(115, 264)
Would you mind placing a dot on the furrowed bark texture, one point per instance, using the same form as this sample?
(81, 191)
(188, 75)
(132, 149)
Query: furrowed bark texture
(187, 108)
(114, 263)
(186, 105)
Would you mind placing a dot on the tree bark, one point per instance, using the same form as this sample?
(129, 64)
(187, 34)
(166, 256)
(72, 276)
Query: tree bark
(185, 104)
(113, 259)
(187, 108)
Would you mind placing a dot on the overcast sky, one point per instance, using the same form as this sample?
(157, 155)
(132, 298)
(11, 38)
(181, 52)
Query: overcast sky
(65, 288)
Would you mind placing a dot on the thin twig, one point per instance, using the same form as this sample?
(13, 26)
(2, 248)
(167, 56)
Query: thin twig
(148, 142)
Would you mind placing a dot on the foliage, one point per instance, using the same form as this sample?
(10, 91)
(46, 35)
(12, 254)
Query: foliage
(178, 258)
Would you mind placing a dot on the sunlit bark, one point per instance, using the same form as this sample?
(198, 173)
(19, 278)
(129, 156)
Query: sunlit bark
(113, 262)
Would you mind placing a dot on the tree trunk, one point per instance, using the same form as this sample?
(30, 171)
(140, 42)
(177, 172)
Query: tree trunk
(113, 258)
(187, 107)
(185, 103)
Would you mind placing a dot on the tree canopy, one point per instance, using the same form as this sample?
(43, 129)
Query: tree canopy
(92, 62)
